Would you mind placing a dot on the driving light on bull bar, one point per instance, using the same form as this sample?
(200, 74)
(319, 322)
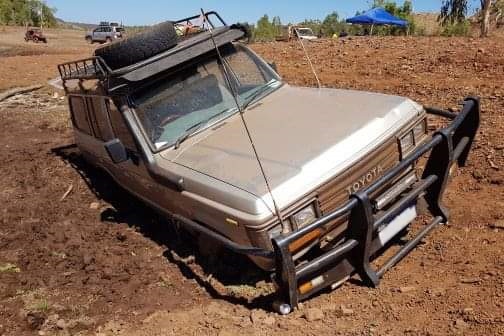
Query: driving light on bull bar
(304, 217)
(310, 285)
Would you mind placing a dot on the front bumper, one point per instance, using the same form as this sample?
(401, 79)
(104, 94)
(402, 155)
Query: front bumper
(354, 254)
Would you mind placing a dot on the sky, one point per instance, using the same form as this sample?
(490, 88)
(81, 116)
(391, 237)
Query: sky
(146, 12)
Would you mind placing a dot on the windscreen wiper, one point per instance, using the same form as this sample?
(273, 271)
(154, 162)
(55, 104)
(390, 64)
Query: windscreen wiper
(191, 130)
(255, 95)
(187, 133)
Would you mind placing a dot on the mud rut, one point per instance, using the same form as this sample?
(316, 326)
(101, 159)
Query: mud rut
(97, 261)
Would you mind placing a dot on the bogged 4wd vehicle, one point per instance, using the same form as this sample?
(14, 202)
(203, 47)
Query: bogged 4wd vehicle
(328, 181)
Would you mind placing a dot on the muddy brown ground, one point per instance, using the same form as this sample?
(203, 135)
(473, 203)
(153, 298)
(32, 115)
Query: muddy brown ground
(98, 262)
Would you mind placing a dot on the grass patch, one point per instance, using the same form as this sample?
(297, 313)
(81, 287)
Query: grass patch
(9, 268)
(165, 284)
(41, 306)
(457, 29)
(59, 254)
(243, 291)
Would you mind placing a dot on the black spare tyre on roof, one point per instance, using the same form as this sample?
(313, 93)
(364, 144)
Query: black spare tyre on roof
(139, 47)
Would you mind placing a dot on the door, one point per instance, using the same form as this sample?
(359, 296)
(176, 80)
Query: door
(96, 121)
(132, 174)
(107, 33)
(98, 34)
(92, 128)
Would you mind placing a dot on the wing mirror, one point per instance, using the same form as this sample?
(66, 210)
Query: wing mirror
(116, 151)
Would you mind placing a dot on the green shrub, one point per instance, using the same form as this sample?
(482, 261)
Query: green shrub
(420, 31)
(457, 29)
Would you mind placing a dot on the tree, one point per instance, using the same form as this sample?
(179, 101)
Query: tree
(453, 12)
(453, 17)
(315, 25)
(26, 12)
(277, 25)
(265, 30)
(498, 12)
(331, 24)
(485, 20)
(377, 3)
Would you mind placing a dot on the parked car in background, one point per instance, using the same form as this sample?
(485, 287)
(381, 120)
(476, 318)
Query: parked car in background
(289, 32)
(105, 33)
(35, 34)
(305, 33)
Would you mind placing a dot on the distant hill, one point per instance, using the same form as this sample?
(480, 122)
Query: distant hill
(75, 25)
(90, 26)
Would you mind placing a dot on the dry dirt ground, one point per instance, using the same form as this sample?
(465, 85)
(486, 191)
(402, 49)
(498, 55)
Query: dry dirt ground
(78, 256)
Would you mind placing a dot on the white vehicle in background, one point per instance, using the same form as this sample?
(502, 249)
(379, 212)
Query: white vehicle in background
(287, 33)
(305, 34)
(105, 33)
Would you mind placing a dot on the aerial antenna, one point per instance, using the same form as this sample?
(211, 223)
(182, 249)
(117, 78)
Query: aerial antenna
(308, 58)
(285, 228)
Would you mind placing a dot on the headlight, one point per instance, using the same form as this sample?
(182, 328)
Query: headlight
(420, 130)
(304, 217)
(413, 137)
(407, 142)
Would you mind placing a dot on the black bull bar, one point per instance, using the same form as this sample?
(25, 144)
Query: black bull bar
(447, 145)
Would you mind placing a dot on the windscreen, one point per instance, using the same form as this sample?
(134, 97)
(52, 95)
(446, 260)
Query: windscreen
(199, 95)
(305, 32)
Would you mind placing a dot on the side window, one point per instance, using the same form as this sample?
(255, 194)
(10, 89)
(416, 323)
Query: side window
(100, 119)
(119, 126)
(80, 116)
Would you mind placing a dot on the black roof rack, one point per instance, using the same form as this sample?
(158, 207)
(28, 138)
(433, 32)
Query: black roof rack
(88, 68)
(208, 18)
(188, 48)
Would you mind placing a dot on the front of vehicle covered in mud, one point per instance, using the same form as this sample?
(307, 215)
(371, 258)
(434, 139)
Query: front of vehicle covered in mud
(377, 212)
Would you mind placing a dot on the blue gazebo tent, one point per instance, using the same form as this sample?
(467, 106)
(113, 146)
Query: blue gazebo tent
(377, 16)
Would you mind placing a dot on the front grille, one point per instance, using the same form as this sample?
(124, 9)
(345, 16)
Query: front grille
(336, 192)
